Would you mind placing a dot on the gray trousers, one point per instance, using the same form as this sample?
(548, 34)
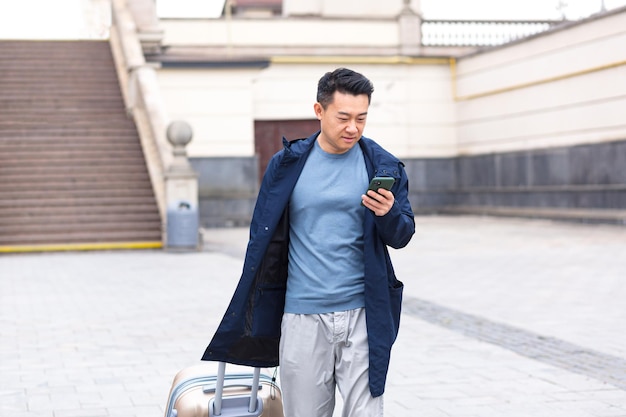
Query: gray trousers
(319, 352)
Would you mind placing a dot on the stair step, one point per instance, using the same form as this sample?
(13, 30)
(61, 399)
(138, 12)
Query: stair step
(71, 170)
(103, 100)
(20, 80)
(83, 201)
(24, 76)
(74, 58)
(47, 104)
(37, 106)
(30, 191)
(64, 81)
(60, 135)
(82, 217)
(49, 93)
(70, 226)
(81, 237)
(54, 52)
(96, 111)
(56, 199)
(34, 150)
(147, 208)
(76, 159)
(85, 177)
(95, 180)
(65, 132)
(28, 155)
(63, 121)
(76, 193)
(62, 116)
(47, 158)
(94, 138)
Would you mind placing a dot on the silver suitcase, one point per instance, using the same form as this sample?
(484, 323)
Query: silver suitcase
(196, 392)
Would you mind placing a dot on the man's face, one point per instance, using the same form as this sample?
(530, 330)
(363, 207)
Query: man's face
(341, 122)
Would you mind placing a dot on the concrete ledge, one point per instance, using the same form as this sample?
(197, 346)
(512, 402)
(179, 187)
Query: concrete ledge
(617, 217)
(78, 247)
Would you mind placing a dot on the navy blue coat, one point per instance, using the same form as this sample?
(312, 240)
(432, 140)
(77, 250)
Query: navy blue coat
(249, 333)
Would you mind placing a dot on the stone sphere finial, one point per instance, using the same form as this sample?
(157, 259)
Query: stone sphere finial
(179, 133)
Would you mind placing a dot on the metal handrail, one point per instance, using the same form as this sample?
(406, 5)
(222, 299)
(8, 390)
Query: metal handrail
(142, 97)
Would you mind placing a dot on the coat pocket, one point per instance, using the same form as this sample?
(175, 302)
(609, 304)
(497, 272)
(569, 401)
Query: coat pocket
(395, 301)
(269, 305)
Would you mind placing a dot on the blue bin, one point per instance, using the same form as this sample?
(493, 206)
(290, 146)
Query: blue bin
(182, 225)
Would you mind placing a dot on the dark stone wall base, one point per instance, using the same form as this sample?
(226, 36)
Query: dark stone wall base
(226, 212)
(583, 183)
(227, 189)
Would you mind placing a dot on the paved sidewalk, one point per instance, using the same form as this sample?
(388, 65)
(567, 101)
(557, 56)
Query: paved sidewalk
(502, 317)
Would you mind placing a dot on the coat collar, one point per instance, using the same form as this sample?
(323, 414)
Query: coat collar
(378, 160)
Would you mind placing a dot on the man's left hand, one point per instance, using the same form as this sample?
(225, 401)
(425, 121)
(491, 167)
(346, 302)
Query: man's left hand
(380, 202)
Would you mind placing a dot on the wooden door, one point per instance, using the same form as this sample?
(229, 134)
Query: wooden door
(268, 136)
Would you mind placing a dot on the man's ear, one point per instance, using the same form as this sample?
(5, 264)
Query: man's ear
(319, 110)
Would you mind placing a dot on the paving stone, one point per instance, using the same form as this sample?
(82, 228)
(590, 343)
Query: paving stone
(103, 333)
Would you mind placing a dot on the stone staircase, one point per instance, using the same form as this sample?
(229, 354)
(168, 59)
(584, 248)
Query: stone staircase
(72, 172)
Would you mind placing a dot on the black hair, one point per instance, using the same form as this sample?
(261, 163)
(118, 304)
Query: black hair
(345, 81)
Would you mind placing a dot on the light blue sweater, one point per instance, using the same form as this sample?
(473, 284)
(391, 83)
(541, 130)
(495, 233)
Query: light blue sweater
(326, 262)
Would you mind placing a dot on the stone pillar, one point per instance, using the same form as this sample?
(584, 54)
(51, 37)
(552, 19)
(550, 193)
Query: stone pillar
(410, 27)
(147, 22)
(181, 192)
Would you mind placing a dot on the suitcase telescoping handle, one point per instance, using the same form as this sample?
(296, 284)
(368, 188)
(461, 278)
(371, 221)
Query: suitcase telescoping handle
(219, 389)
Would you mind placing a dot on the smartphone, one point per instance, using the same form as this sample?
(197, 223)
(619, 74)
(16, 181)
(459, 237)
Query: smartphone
(380, 182)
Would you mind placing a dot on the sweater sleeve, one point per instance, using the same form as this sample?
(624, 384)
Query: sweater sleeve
(397, 226)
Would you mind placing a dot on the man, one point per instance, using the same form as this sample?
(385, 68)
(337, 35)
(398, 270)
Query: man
(318, 292)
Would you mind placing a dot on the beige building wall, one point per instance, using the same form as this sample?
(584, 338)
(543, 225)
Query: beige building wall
(354, 8)
(283, 33)
(563, 88)
(217, 103)
(412, 111)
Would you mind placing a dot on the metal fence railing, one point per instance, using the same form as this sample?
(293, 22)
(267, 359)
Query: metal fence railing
(480, 32)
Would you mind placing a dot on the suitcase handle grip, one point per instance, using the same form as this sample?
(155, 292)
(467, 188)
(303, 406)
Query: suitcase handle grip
(219, 389)
(233, 383)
